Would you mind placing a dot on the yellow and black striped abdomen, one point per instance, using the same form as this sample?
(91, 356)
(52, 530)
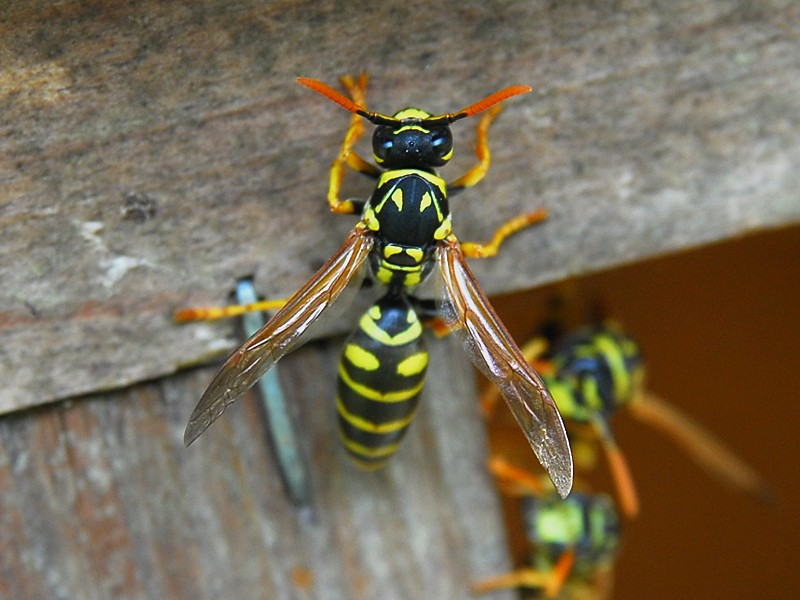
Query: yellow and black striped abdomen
(381, 373)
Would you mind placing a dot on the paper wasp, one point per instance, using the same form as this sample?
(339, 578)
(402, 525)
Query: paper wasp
(404, 234)
(572, 543)
(594, 371)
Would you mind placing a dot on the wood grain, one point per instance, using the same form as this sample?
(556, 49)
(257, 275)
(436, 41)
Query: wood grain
(152, 153)
(99, 498)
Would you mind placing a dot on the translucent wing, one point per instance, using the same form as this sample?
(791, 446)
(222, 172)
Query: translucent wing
(469, 314)
(255, 357)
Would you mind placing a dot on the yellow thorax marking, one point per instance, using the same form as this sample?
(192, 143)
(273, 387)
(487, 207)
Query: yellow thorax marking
(387, 176)
(397, 198)
(427, 198)
(444, 230)
(391, 249)
(416, 254)
(371, 221)
(425, 202)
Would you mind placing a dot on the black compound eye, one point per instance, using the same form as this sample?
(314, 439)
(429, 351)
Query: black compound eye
(382, 141)
(441, 141)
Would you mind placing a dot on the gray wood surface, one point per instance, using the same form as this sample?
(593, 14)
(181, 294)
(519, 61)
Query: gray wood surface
(153, 153)
(99, 498)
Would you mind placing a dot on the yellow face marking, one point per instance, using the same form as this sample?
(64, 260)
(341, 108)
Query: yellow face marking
(361, 358)
(376, 395)
(413, 365)
(365, 425)
(411, 128)
(397, 198)
(368, 326)
(411, 113)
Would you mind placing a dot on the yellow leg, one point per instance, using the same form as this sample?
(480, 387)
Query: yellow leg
(347, 156)
(483, 250)
(476, 173)
(212, 313)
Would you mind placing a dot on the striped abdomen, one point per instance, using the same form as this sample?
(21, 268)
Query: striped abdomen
(381, 373)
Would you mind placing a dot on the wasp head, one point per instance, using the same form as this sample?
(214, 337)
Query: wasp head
(409, 142)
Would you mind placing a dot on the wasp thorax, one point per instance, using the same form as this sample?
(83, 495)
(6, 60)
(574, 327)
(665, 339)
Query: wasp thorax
(412, 145)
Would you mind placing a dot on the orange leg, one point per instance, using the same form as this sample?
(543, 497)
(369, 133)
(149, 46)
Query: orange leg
(528, 578)
(513, 480)
(626, 489)
(551, 582)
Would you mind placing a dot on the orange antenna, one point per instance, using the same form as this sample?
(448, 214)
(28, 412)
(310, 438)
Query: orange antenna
(480, 105)
(489, 101)
(332, 94)
(379, 119)
(345, 102)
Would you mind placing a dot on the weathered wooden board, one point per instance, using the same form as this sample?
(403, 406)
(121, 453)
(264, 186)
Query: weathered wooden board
(99, 498)
(153, 153)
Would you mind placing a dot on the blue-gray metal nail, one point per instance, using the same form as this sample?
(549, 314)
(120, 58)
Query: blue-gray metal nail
(278, 422)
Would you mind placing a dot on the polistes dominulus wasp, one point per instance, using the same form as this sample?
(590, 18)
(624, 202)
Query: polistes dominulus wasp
(594, 371)
(404, 234)
(572, 543)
